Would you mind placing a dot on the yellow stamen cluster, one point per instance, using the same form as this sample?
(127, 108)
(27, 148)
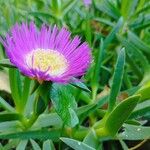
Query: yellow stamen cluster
(47, 60)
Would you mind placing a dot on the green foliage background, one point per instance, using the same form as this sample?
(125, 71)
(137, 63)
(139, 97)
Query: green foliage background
(111, 107)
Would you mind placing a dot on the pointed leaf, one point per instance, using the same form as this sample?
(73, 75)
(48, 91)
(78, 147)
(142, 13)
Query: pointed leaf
(22, 145)
(26, 89)
(10, 126)
(141, 110)
(117, 79)
(64, 103)
(132, 132)
(113, 33)
(39, 134)
(76, 145)
(46, 120)
(9, 116)
(80, 85)
(92, 140)
(114, 120)
(97, 68)
(35, 145)
(6, 106)
(107, 7)
(48, 145)
(138, 42)
(123, 144)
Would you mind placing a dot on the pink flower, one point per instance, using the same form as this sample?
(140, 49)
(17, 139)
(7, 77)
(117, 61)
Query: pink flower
(87, 2)
(48, 54)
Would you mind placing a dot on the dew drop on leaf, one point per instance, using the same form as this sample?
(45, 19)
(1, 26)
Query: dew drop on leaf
(138, 129)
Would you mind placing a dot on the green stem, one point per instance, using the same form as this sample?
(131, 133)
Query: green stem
(28, 123)
(101, 132)
(94, 92)
(81, 134)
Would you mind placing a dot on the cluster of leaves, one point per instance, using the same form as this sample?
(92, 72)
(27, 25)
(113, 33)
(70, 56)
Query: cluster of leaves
(111, 105)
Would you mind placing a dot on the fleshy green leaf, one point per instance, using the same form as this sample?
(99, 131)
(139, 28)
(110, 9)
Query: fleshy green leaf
(108, 8)
(16, 88)
(39, 134)
(6, 106)
(141, 110)
(35, 145)
(76, 145)
(97, 69)
(80, 85)
(46, 120)
(114, 120)
(64, 104)
(26, 90)
(128, 7)
(132, 132)
(41, 14)
(11, 144)
(22, 145)
(10, 126)
(138, 42)
(123, 144)
(40, 106)
(48, 145)
(9, 116)
(85, 109)
(135, 52)
(117, 79)
(141, 22)
(144, 92)
(113, 33)
(56, 5)
(68, 6)
(92, 140)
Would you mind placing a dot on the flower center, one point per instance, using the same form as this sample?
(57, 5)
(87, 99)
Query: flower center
(47, 60)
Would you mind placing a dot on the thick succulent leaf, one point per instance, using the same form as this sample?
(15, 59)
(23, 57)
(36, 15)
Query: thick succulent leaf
(39, 134)
(80, 85)
(46, 120)
(48, 145)
(132, 132)
(123, 144)
(141, 110)
(138, 42)
(108, 8)
(6, 106)
(113, 33)
(9, 116)
(35, 145)
(114, 120)
(117, 79)
(76, 145)
(92, 140)
(128, 8)
(22, 145)
(10, 126)
(97, 69)
(16, 88)
(64, 103)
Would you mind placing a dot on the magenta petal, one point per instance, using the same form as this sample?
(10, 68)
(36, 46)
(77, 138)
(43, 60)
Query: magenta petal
(24, 41)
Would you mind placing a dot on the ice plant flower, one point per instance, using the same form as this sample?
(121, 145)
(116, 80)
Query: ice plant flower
(87, 2)
(48, 54)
